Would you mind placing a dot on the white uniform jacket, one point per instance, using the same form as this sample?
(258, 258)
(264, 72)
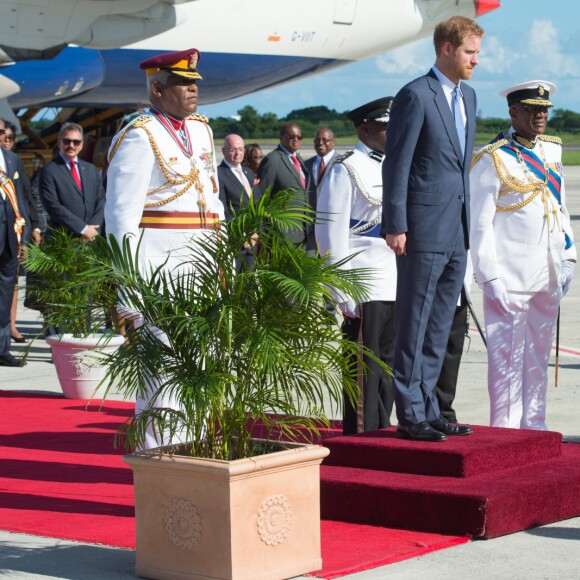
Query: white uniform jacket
(349, 219)
(520, 233)
(148, 171)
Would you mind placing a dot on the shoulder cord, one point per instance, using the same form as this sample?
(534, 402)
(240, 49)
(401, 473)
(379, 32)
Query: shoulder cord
(357, 184)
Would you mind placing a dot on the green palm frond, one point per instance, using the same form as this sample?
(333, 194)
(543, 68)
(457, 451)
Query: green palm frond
(243, 348)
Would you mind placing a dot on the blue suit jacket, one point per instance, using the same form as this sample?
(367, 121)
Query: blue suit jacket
(425, 176)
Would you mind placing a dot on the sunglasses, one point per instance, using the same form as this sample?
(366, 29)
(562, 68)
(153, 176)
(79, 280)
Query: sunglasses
(75, 142)
(2, 131)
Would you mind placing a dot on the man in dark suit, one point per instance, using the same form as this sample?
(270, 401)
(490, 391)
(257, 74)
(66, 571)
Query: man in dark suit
(237, 184)
(236, 181)
(71, 189)
(319, 165)
(283, 168)
(13, 216)
(426, 220)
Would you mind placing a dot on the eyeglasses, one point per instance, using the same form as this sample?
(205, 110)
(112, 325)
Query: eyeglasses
(2, 131)
(534, 109)
(323, 140)
(75, 142)
(8, 137)
(292, 137)
(233, 149)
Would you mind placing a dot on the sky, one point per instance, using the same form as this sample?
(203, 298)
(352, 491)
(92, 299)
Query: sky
(524, 40)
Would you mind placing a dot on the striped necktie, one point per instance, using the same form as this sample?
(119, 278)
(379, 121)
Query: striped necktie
(296, 164)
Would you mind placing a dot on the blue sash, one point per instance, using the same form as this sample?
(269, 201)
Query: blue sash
(536, 166)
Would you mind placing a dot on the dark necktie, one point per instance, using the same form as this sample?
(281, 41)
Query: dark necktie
(296, 164)
(321, 169)
(459, 125)
(75, 173)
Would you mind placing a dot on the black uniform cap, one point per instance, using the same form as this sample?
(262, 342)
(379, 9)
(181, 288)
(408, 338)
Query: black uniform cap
(378, 110)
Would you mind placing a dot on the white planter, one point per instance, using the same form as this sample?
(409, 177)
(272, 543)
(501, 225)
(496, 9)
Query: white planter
(77, 362)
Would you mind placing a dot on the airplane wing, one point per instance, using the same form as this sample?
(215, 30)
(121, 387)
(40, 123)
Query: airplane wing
(40, 29)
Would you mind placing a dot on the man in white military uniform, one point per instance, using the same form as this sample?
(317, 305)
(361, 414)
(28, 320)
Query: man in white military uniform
(523, 254)
(348, 221)
(161, 181)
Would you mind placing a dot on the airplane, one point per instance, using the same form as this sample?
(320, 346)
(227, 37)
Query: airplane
(85, 53)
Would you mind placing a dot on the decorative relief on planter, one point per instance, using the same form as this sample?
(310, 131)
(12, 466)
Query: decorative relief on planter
(182, 523)
(274, 520)
(84, 363)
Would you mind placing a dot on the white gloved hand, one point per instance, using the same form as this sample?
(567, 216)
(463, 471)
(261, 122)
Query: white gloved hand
(496, 294)
(567, 275)
(349, 309)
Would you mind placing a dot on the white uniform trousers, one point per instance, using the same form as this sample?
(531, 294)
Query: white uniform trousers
(170, 248)
(519, 345)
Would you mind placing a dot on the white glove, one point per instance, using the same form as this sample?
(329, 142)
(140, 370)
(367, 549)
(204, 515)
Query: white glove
(567, 275)
(349, 309)
(496, 294)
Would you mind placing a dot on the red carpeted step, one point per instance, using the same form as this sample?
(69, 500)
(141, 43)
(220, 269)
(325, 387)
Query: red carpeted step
(484, 506)
(486, 450)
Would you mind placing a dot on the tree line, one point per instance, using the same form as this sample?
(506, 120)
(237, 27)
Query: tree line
(251, 125)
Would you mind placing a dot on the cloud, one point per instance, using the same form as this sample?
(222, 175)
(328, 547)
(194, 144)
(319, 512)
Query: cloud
(407, 61)
(538, 52)
(546, 56)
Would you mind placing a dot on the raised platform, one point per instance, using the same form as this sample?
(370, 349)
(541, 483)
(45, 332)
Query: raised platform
(491, 483)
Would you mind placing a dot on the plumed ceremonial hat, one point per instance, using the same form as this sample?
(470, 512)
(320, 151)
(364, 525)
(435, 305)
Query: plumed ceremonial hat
(535, 93)
(183, 63)
(378, 110)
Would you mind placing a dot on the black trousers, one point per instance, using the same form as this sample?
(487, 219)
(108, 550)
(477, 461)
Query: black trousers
(375, 330)
(447, 382)
(8, 267)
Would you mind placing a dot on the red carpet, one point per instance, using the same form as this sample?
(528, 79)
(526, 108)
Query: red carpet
(350, 548)
(59, 474)
(492, 483)
(60, 477)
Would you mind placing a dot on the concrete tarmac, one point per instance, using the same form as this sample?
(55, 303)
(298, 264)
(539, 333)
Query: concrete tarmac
(544, 553)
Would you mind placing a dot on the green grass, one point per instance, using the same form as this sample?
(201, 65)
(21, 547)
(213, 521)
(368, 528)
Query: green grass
(571, 157)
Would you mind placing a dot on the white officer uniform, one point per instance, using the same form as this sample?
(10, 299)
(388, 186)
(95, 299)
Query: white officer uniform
(349, 219)
(157, 190)
(348, 222)
(520, 235)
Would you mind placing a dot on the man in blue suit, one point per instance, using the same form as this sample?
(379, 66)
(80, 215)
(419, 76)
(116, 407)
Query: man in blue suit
(426, 220)
(13, 219)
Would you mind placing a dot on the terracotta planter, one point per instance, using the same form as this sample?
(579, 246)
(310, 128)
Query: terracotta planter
(77, 362)
(256, 518)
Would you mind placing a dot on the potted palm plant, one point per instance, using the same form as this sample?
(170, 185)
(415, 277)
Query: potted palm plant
(242, 349)
(76, 305)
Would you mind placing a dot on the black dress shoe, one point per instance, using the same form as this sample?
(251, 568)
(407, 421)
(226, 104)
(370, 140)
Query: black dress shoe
(19, 339)
(420, 432)
(448, 428)
(7, 360)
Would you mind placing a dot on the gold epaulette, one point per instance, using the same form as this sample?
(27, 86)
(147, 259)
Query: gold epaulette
(489, 148)
(550, 139)
(197, 117)
(137, 122)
